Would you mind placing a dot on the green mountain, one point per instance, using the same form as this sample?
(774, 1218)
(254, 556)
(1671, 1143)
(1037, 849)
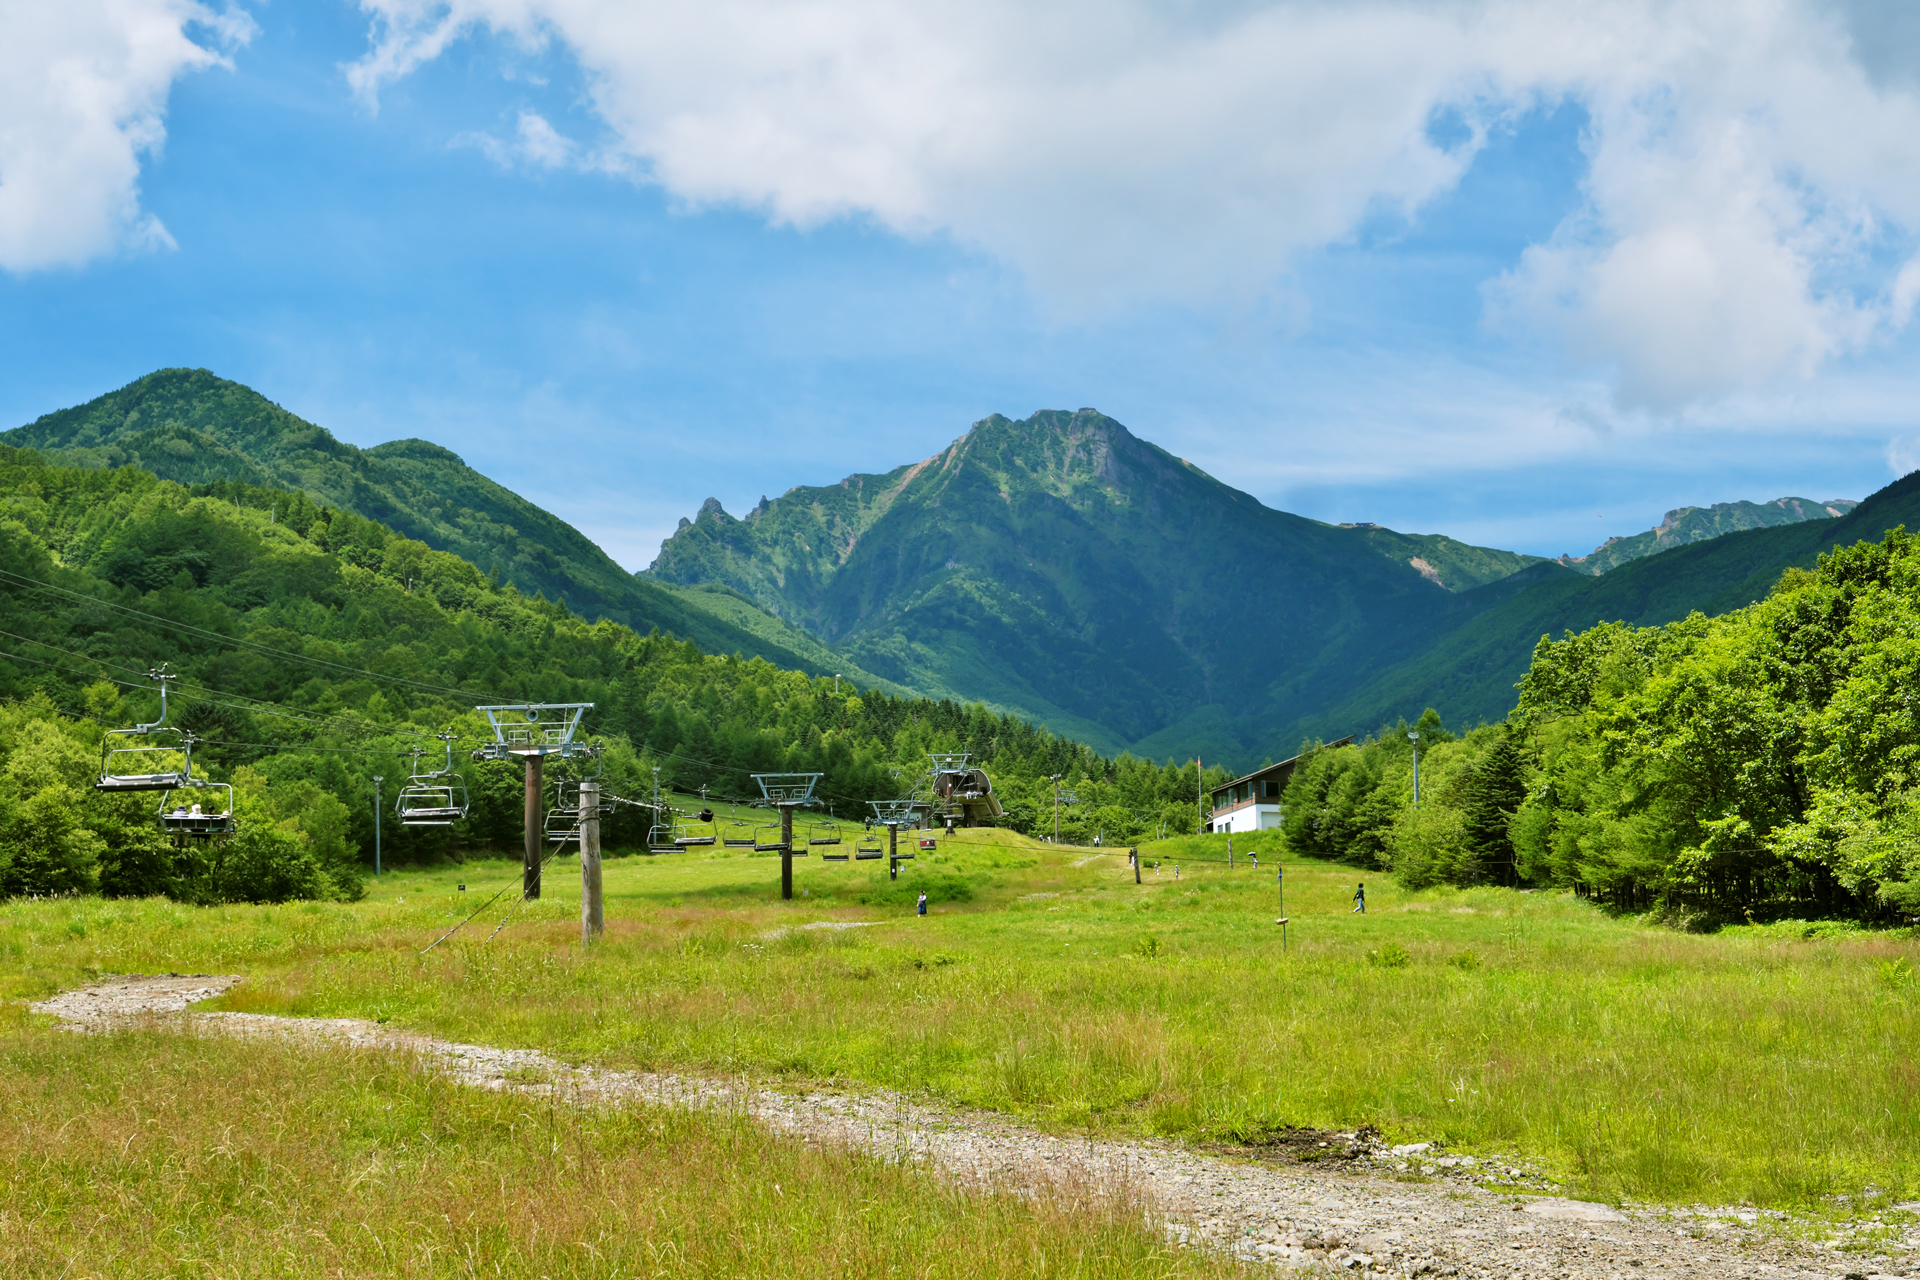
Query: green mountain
(188, 426)
(1065, 570)
(1469, 674)
(1700, 524)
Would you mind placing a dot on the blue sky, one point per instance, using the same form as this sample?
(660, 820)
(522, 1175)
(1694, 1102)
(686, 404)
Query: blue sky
(1472, 277)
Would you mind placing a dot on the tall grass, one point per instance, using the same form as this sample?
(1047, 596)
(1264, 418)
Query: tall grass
(1632, 1061)
(147, 1154)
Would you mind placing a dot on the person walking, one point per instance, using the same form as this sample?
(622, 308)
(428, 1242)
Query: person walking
(1360, 898)
(923, 904)
(1176, 871)
(1256, 860)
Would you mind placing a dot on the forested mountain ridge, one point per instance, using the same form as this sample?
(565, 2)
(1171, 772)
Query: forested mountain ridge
(1470, 673)
(316, 648)
(192, 427)
(1685, 525)
(1064, 569)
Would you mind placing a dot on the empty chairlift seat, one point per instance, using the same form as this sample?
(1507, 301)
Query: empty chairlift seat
(823, 833)
(739, 836)
(869, 849)
(147, 768)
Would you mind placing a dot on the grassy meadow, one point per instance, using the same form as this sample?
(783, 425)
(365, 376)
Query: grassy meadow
(1630, 1061)
(148, 1154)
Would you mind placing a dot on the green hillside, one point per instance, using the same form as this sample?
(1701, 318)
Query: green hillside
(1686, 525)
(1063, 569)
(1471, 672)
(191, 427)
(316, 648)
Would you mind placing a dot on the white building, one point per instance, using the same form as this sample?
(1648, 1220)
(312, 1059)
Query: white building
(1252, 802)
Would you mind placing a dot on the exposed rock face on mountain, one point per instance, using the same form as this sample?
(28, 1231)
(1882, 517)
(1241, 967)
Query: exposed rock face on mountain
(1065, 569)
(1699, 524)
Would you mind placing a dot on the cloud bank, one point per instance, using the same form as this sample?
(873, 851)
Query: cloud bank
(83, 90)
(1749, 209)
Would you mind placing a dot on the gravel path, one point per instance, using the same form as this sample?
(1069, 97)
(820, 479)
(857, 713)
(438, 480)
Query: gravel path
(1353, 1207)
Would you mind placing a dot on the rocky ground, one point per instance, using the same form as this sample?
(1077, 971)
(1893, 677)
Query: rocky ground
(1310, 1202)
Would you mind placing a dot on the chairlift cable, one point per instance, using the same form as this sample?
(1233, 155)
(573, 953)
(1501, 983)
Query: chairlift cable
(190, 629)
(264, 707)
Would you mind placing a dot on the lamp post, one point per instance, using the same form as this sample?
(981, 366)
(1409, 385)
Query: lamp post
(377, 780)
(1055, 780)
(1414, 738)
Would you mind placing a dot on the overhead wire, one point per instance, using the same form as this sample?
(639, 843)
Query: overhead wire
(188, 628)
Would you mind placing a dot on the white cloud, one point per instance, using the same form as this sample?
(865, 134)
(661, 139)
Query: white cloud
(536, 143)
(83, 91)
(1750, 161)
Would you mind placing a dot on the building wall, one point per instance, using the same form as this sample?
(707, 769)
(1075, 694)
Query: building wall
(1248, 817)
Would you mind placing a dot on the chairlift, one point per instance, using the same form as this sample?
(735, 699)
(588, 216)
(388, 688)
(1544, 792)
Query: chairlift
(434, 799)
(739, 836)
(767, 836)
(660, 839)
(186, 821)
(143, 768)
(833, 857)
(866, 850)
(685, 838)
(563, 825)
(823, 833)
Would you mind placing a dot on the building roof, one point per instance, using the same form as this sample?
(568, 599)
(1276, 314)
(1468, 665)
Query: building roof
(1277, 772)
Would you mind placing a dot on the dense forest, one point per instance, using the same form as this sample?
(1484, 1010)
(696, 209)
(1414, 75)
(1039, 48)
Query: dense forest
(1762, 763)
(317, 649)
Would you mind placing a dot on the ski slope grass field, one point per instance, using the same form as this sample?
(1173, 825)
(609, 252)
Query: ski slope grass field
(1772, 1065)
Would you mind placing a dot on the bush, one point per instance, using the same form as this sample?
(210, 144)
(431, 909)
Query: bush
(1390, 956)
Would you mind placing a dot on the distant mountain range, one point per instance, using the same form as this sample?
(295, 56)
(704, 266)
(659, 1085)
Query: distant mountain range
(1699, 524)
(1057, 567)
(1063, 568)
(191, 427)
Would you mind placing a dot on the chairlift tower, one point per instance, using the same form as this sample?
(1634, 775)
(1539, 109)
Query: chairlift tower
(533, 731)
(893, 815)
(786, 792)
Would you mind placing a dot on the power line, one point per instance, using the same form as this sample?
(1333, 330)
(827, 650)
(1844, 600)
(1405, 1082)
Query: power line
(190, 629)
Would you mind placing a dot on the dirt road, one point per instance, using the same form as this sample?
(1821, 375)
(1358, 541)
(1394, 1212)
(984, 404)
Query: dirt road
(1356, 1208)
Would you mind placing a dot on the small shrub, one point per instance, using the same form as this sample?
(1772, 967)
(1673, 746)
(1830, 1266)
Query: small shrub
(1390, 956)
(1465, 960)
(1147, 947)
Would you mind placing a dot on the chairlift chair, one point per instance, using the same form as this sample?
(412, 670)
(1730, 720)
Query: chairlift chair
(866, 850)
(184, 820)
(766, 837)
(134, 768)
(562, 825)
(823, 833)
(685, 838)
(660, 839)
(437, 798)
(739, 836)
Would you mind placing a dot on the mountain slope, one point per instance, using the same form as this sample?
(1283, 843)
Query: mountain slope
(1470, 672)
(192, 427)
(1064, 569)
(1700, 524)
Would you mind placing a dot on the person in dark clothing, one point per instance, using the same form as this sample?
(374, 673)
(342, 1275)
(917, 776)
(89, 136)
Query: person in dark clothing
(1360, 898)
(923, 904)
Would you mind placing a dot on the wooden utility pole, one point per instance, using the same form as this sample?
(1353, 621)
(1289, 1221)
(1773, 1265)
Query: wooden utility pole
(893, 852)
(593, 919)
(536, 830)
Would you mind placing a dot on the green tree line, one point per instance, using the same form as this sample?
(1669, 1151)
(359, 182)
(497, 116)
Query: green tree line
(316, 649)
(1758, 764)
